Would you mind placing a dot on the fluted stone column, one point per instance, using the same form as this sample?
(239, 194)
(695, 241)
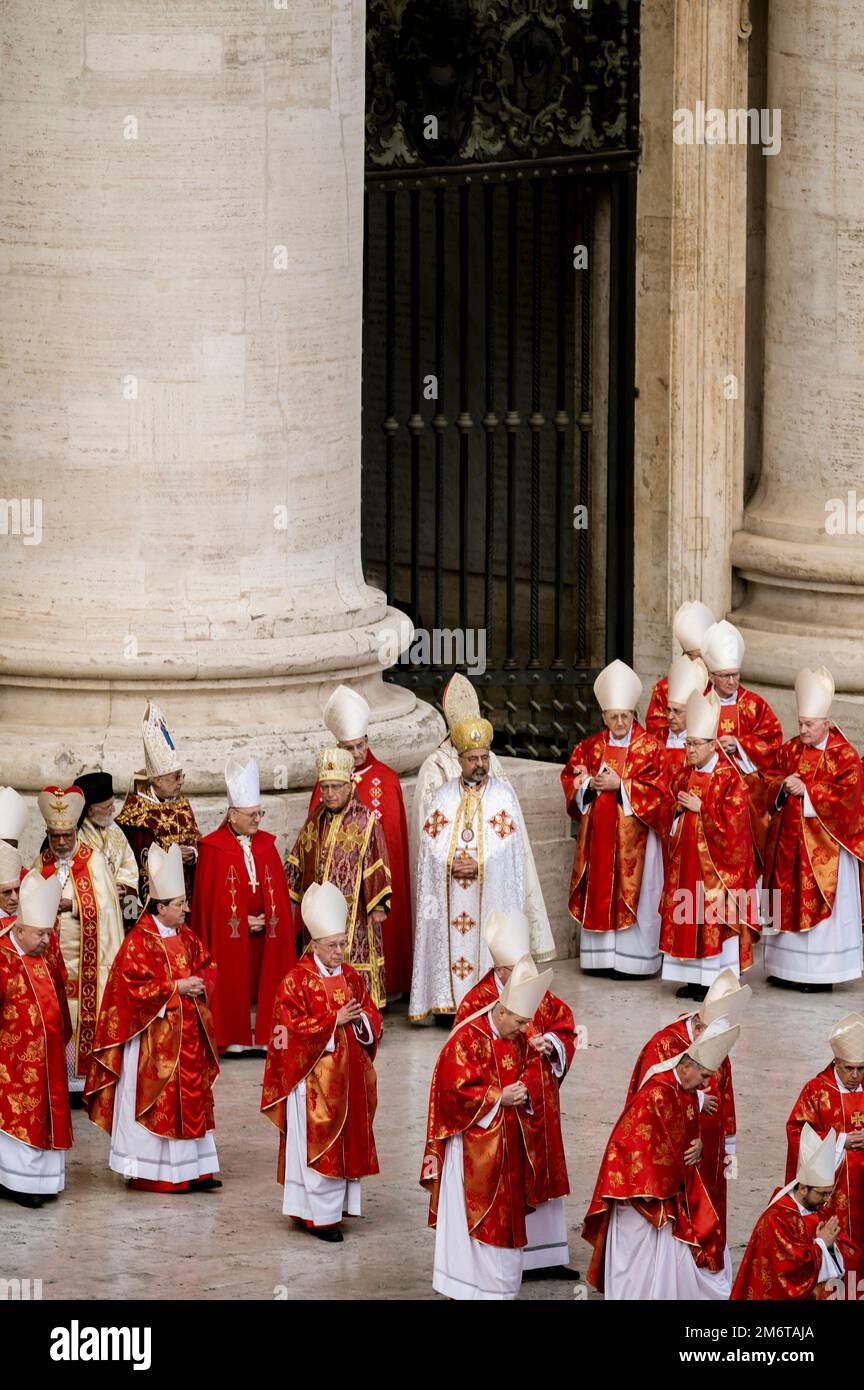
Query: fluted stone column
(181, 316)
(804, 597)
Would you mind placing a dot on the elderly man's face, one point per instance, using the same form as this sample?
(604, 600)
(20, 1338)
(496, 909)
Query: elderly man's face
(335, 795)
(102, 813)
(619, 722)
(172, 912)
(358, 748)
(9, 898)
(725, 682)
(692, 1076)
(62, 842)
(676, 716)
(474, 765)
(509, 1025)
(330, 950)
(813, 731)
(34, 941)
(245, 820)
(168, 786)
(851, 1074)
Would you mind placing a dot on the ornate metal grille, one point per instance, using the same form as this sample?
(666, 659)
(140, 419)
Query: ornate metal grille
(501, 138)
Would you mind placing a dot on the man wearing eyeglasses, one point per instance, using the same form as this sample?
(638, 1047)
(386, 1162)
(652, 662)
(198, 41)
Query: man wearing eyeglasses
(242, 913)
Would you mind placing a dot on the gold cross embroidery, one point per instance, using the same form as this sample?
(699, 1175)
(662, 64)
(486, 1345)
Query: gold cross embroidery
(350, 839)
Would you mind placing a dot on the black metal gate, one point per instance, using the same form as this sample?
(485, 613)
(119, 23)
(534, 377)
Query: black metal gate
(498, 321)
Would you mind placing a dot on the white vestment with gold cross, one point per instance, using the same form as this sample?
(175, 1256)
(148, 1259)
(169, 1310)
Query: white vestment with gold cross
(450, 955)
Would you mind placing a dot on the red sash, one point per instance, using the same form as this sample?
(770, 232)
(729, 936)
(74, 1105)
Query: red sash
(42, 985)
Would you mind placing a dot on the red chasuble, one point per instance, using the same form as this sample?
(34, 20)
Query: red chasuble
(802, 855)
(610, 851)
(644, 1165)
(250, 965)
(548, 1169)
(144, 820)
(782, 1259)
(752, 721)
(469, 1076)
(675, 760)
(177, 1063)
(34, 1029)
(824, 1106)
(347, 848)
(341, 1086)
(711, 861)
(379, 788)
(714, 1128)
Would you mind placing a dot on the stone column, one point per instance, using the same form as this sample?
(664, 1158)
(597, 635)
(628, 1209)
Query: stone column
(691, 274)
(804, 584)
(181, 313)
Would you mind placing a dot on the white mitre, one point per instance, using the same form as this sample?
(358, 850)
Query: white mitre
(814, 692)
(507, 935)
(346, 714)
(13, 814)
(160, 754)
(847, 1040)
(727, 998)
(243, 781)
(165, 873)
(524, 991)
(324, 911)
(39, 900)
(617, 686)
(703, 714)
(723, 647)
(690, 624)
(685, 677)
(11, 864)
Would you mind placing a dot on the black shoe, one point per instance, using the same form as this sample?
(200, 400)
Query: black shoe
(444, 1021)
(76, 1100)
(816, 989)
(698, 993)
(778, 983)
(332, 1234)
(622, 975)
(598, 974)
(23, 1199)
(203, 1185)
(685, 992)
(551, 1272)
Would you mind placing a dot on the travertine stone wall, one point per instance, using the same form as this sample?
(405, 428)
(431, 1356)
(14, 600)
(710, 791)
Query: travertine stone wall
(181, 227)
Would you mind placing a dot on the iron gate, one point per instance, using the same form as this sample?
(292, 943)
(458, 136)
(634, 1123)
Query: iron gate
(498, 321)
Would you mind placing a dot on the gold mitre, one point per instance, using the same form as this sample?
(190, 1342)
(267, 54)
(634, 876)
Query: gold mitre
(335, 765)
(814, 692)
(459, 700)
(472, 733)
(61, 807)
(847, 1040)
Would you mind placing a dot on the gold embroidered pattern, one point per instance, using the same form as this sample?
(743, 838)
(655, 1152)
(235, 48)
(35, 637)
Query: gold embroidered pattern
(462, 968)
(463, 923)
(435, 824)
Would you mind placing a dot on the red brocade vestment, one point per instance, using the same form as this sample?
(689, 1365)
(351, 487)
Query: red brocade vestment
(782, 1260)
(824, 1106)
(341, 1086)
(34, 1029)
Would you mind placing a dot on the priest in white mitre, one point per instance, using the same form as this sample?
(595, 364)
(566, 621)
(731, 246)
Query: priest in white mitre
(459, 701)
(320, 1087)
(480, 1154)
(13, 815)
(814, 856)
(11, 867)
(687, 675)
(653, 1226)
(691, 622)
(471, 860)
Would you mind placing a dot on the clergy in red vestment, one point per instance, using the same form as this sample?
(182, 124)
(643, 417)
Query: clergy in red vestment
(798, 1249)
(615, 782)
(479, 1144)
(35, 1121)
(346, 715)
(320, 1087)
(685, 677)
(151, 1075)
(651, 1221)
(154, 811)
(689, 626)
(710, 907)
(834, 1100)
(725, 1000)
(814, 858)
(11, 874)
(242, 913)
(749, 731)
(343, 844)
(551, 1044)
